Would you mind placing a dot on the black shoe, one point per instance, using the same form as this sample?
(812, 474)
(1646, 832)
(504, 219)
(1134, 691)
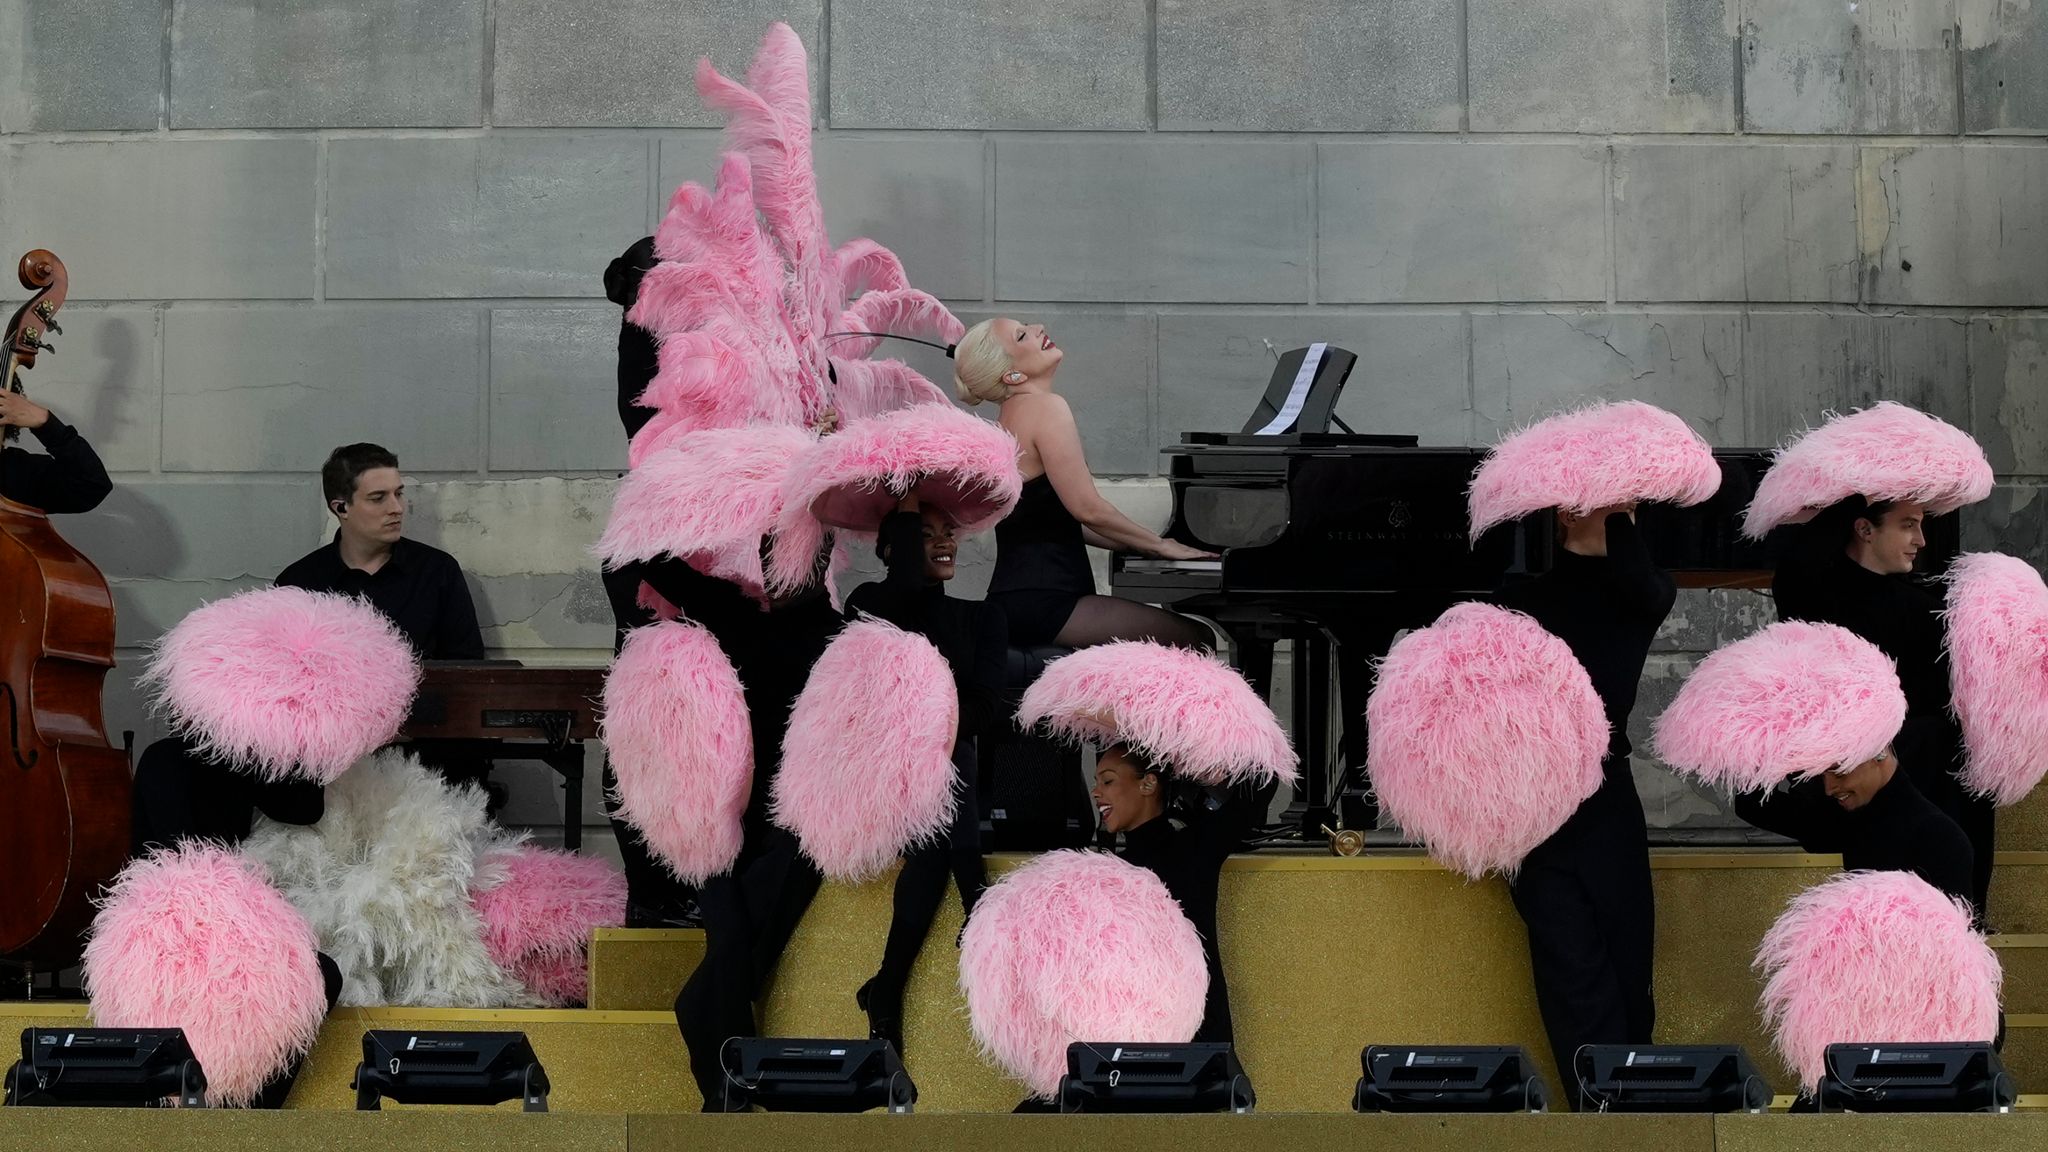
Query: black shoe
(885, 1012)
(670, 915)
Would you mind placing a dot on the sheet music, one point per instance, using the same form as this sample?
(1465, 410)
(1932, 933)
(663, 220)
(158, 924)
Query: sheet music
(1297, 394)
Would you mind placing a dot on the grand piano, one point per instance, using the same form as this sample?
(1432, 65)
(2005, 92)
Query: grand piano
(1337, 541)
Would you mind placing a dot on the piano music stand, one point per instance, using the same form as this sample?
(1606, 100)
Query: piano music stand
(1302, 395)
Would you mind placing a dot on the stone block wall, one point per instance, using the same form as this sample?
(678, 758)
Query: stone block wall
(296, 223)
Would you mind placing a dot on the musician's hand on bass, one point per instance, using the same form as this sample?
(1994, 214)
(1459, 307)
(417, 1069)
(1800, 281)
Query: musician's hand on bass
(18, 411)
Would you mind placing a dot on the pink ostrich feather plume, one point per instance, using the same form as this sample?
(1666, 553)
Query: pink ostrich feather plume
(676, 728)
(1078, 946)
(1997, 619)
(750, 286)
(1885, 452)
(1874, 957)
(1487, 736)
(1182, 708)
(867, 764)
(285, 683)
(196, 938)
(1791, 701)
(709, 500)
(537, 921)
(1596, 457)
(954, 460)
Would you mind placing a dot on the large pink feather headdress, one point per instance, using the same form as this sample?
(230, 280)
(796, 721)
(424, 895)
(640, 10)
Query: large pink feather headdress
(749, 286)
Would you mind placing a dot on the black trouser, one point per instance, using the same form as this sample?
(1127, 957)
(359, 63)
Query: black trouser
(921, 886)
(751, 911)
(1900, 830)
(653, 893)
(1585, 897)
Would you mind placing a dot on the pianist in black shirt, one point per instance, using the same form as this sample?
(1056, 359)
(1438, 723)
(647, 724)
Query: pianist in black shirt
(420, 587)
(67, 478)
(1042, 581)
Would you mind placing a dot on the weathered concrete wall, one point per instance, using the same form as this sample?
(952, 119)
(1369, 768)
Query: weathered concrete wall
(301, 222)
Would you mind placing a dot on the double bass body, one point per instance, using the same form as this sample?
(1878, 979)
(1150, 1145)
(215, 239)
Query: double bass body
(64, 788)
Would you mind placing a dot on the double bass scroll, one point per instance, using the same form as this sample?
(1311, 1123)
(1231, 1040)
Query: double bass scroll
(64, 788)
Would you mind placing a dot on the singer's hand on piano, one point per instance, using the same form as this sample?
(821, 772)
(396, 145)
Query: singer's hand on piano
(1175, 550)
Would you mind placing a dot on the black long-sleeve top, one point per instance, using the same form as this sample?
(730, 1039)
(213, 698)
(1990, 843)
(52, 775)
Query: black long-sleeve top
(970, 634)
(420, 588)
(69, 479)
(1607, 609)
(637, 353)
(1188, 859)
(182, 795)
(1901, 614)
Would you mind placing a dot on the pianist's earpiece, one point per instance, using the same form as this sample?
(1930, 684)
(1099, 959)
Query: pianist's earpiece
(1013, 377)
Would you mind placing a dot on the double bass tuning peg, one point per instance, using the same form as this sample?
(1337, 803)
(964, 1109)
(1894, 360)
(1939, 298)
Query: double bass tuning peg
(48, 315)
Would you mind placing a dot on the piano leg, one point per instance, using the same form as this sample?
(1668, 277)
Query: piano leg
(1310, 677)
(568, 763)
(1252, 655)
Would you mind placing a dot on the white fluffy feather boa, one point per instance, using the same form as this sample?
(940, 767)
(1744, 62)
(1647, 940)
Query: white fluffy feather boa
(385, 879)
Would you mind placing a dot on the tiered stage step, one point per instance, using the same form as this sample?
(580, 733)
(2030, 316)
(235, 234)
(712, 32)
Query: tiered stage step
(1325, 955)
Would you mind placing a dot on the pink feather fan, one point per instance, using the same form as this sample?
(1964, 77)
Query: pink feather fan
(1487, 736)
(1998, 672)
(1078, 946)
(196, 938)
(676, 728)
(709, 499)
(867, 764)
(1874, 957)
(537, 922)
(285, 683)
(1791, 701)
(954, 460)
(750, 286)
(1596, 457)
(1885, 452)
(1182, 708)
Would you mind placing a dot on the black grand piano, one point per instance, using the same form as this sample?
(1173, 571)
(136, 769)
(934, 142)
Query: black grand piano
(1338, 541)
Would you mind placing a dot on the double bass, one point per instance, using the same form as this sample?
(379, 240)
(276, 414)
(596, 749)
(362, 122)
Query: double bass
(64, 789)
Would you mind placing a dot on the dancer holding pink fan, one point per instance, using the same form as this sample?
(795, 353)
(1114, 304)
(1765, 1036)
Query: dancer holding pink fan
(1584, 893)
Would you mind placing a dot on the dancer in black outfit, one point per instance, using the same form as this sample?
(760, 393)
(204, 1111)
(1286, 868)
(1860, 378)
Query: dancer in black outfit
(180, 796)
(1851, 566)
(751, 911)
(654, 897)
(917, 545)
(1132, 797)
(1584, 894)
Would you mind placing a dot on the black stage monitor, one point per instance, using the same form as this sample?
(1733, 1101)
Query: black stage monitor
(1448, 1078)
(1914, 1078)
(106, 1068)
(1110, 1077)
(1668, 1078)
(788, 1075)
(449, 1068)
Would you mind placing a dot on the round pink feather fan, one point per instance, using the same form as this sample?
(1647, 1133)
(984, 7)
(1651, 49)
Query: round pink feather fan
(284, 682)
(853, 479)
(537, 921)
(1596, 457)
(1791, 701)
(1997, 620)
(708, 498)
(676, 728)
(196, 938)
(867, 764)
(1078, 946)
(1487, 736)
(1885, 452)
(1182, 708)
(1874, 957)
